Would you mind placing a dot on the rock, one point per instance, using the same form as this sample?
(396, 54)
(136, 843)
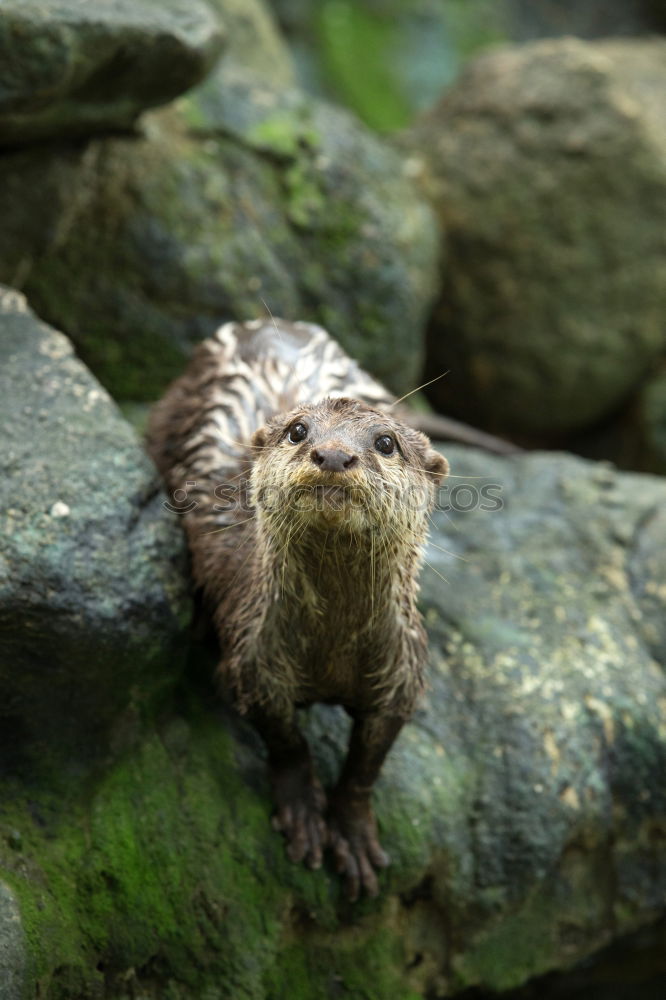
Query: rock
(264, 197)
(530, 19)
(12, 947)
(652, 410)
(549, 698)
(546, 164)
(92, 594)
(634, 436)
(627, 969)
(74, 67)
(524, 808)
(657, 12)
(254, 44)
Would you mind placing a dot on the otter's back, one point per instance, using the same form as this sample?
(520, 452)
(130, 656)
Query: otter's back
(239, 378)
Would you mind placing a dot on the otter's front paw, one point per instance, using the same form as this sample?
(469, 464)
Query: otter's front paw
(301, 804)
(352, 831)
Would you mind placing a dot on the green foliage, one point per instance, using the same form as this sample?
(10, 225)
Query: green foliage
(356, 51)
(388, 61)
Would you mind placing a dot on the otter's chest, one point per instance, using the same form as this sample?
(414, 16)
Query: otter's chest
(337, 663)
(336, 647)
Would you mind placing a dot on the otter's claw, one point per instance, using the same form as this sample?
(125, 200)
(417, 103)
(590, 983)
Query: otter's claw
(358, 853)
(300, 813)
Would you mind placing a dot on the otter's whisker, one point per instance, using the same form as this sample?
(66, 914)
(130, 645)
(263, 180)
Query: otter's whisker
(448, 475)
(430, 565)
(226, 527)
(424, 386)
(268, 310)
(447, 552)
(448, 518)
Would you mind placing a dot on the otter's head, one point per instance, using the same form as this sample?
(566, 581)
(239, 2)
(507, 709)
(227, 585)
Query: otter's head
(345, 466)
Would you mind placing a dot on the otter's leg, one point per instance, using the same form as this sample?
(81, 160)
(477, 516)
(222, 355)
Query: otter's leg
(298, 795)
(351, 821)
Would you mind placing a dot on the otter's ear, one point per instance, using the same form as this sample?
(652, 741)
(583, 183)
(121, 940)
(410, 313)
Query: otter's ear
(259, 438)
(436, 465)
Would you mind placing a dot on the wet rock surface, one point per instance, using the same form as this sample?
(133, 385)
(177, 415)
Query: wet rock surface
(93, 601)
(75, 67)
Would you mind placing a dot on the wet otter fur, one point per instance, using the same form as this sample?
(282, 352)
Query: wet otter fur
(305, 503)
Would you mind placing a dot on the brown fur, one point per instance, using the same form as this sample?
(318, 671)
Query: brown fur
(310, 575)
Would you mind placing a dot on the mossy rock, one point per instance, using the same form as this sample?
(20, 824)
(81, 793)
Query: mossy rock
(74, 67)
(239, 201)
(254, 44)
(244, 197)
(12, 946)
(547, 165)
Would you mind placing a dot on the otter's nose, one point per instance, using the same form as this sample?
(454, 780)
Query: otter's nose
(333, 459)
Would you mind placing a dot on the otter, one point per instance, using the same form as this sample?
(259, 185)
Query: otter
(305, 502)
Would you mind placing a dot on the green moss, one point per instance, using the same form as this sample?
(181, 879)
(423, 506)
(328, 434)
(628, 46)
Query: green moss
(43, 876)
(153, 869)
(305, 202)
(162, 877)
(506, 956)
(369, 968)
(286, 132)
(354, 963)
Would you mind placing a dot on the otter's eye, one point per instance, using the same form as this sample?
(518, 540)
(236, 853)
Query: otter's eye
(297, 432)
(385, 444)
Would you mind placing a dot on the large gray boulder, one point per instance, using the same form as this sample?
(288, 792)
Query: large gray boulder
(549, 702)
(75, 67)
(92, 594)
(547, 166)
